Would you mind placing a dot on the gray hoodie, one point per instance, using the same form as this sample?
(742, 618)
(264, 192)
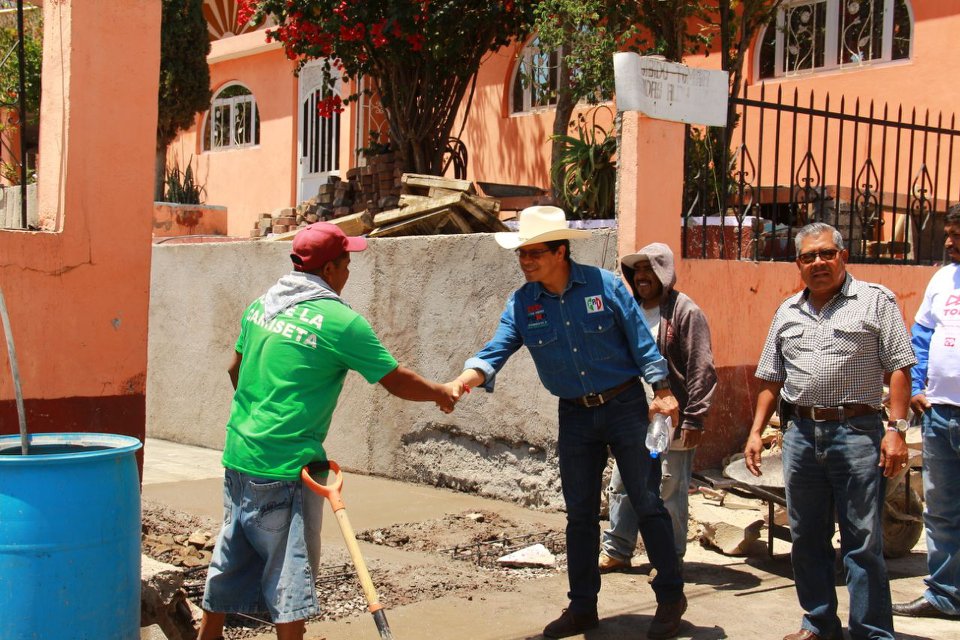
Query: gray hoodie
(683, 338)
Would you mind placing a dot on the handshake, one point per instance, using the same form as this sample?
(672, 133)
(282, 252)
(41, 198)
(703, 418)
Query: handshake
(408, 385)
(451, 392)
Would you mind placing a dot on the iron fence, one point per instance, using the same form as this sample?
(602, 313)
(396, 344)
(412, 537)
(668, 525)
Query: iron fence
(879, 175)
(19, 123)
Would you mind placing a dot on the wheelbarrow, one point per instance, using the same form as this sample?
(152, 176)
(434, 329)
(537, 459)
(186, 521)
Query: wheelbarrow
(332, 493)
(903, 507)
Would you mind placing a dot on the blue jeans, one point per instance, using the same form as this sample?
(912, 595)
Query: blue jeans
(833, 465)
(620, 540)
(268, 550)
(585, 435)
(941, 491)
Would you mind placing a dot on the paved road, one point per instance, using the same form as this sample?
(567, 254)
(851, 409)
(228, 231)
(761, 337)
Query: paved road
(736, 598)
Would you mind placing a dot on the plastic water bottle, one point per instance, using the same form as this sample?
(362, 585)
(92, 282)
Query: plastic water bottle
(659, 433)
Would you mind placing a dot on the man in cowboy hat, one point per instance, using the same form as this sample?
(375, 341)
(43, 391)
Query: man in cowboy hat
(587, 338)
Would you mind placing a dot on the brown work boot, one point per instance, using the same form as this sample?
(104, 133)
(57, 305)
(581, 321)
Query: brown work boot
(608, 563)
(806, 634)
(667, 620)
(571, 624)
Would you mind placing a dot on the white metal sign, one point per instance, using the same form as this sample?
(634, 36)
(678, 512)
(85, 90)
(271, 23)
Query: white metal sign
(669, 90)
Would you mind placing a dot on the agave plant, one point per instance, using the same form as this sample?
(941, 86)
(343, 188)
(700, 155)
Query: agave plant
(585, 173)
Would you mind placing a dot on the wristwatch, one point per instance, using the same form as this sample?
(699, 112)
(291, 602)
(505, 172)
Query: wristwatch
(900, 426)
(661, 384)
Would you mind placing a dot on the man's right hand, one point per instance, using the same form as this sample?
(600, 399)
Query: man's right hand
(751, 454)
(920, 404)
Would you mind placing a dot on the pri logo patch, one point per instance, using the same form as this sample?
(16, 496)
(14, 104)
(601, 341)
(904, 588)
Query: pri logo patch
(949, 342)
(536, 318)
(594, 304)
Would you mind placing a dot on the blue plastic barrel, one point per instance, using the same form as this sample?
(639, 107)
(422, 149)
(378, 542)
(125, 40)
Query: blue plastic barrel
(70, 537)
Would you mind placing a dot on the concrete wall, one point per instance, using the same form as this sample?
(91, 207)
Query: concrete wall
(171, 219)
(432, 300)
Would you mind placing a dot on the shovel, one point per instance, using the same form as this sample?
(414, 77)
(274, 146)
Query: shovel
(15, 372)
(332, 493)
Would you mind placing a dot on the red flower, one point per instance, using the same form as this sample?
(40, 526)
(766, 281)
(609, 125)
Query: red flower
(330, 105)
(376, 34)
(416, 41)
(350, 34)
(245, 11)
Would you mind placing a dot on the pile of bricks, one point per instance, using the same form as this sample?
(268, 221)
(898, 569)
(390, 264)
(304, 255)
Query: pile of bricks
(376, 186)
(372, 188)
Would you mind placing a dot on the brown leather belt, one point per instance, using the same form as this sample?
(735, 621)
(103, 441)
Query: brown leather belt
(836, 414)
(596, 399)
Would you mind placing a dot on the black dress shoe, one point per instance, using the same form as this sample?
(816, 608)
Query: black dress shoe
(921, 608)
(571, 624)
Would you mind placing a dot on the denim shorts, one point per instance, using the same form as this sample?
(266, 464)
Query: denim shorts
(268, 550)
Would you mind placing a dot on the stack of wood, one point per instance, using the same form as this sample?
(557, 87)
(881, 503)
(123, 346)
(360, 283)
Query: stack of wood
(428, 205)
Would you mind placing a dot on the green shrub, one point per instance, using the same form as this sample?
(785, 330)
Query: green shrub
(180, 186)
(586, 170)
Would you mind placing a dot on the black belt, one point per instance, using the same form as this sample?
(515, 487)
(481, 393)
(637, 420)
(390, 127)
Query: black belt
(823, 414)
(597, 399)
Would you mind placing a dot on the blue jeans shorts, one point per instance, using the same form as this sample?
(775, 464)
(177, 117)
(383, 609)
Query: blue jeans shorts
(268, 550)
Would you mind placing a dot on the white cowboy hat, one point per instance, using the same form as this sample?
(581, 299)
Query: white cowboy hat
(539, 224)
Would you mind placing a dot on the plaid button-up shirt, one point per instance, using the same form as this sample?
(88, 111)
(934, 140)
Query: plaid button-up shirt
(837, 356)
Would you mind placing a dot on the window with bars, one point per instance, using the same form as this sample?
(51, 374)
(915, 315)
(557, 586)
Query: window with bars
(536, 78)
(822, 35)
(233, 121)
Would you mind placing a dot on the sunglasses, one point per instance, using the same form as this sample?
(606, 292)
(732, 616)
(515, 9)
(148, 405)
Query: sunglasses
(825, 254)
(532, 253)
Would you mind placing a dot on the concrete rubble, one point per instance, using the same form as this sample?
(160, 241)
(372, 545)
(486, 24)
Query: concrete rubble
(533, 556)
(164, 607)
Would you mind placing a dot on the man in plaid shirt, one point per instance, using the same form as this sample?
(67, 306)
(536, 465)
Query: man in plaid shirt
(823, 363)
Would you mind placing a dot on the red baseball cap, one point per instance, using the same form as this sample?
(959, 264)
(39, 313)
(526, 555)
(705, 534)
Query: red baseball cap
(321, 242)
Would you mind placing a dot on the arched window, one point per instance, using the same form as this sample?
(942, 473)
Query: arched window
(233, 120)
(820, 35)
(535, 78)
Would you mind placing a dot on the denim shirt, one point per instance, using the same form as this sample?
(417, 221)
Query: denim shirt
(590, 338)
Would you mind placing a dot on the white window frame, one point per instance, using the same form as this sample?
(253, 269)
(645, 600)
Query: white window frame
(525, 60)
(231, 104)
(831, 57)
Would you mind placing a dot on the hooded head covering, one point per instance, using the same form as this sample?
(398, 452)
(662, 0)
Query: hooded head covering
(661, 260)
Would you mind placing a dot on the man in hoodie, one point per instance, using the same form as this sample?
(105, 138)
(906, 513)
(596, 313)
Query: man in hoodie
(296, 344)
(683, 337)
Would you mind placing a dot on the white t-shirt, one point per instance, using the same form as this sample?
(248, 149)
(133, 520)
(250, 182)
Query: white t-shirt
(940, 311)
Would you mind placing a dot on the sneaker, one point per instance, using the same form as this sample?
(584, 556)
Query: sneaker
(608, 563)
(666, 622)
(571, 624)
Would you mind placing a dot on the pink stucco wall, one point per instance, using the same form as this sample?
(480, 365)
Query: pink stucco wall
(77, 292)
(252, 180)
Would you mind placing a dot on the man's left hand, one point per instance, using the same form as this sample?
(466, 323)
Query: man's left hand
(690, 438)
(664, 402)
(893, 454)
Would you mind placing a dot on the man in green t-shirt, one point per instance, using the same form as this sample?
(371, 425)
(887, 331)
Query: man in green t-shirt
(296, 344)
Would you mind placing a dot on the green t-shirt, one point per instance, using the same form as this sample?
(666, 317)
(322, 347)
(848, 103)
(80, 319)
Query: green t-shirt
(291, 375)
